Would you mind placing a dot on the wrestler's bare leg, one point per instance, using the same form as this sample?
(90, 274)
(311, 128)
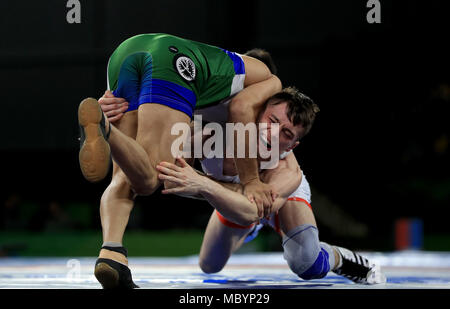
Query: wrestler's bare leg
(140, 141)
(219, 242)
(296, 213)
(118, 199)
(136, 157)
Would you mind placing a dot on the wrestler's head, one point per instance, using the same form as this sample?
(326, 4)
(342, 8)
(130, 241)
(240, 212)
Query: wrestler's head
(264, 56)
(294, 113)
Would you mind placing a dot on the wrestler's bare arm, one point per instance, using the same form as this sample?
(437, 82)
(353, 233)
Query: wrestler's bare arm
(228, 198)
(260, 84)
(285, 179)
(232, 205)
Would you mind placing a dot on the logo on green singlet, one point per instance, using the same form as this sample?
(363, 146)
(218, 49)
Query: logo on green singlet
(173, 49)
(185, 67)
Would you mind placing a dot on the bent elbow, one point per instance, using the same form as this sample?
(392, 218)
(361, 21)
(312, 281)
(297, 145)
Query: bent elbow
(278, 86)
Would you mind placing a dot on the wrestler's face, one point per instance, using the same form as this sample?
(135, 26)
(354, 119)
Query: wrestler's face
(287, 133)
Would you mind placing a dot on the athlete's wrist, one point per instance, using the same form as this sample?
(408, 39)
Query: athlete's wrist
(251, 180)
(206, 187)
(247, 169)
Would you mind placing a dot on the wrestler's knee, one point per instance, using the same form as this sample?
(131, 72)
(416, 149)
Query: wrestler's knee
(209, 266)
(304, 254)
(119, 188)
(147, 186)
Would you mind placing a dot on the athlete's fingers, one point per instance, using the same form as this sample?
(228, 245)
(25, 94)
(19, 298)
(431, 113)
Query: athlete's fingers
(260, 206)
(173, 190)
(114, 109)
(274, 195)
(106, 107)
(171, 166)
(252, 200)
(115, 118)
(122, 109)
(168, 184)
(108, 94)
(111, 100)
(114, 106)
(268, 199)
(181, 161)
(114, 112)
(169, 171)
(267, 203)
(257, 203)
(171, 178)
(267, 211)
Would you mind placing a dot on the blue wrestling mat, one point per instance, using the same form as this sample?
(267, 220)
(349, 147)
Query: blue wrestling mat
(404, 270)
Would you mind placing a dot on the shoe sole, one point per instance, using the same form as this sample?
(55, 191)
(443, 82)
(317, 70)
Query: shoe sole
(107, 276)
(94, 156)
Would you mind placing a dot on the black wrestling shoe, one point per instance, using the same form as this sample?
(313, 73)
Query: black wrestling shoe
(358, 269)
(112, 274)
(95, 153)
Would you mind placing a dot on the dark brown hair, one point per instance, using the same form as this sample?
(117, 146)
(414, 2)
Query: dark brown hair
(264, 56)
(300, 108)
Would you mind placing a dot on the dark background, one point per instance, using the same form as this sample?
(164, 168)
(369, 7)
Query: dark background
(378, 151)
